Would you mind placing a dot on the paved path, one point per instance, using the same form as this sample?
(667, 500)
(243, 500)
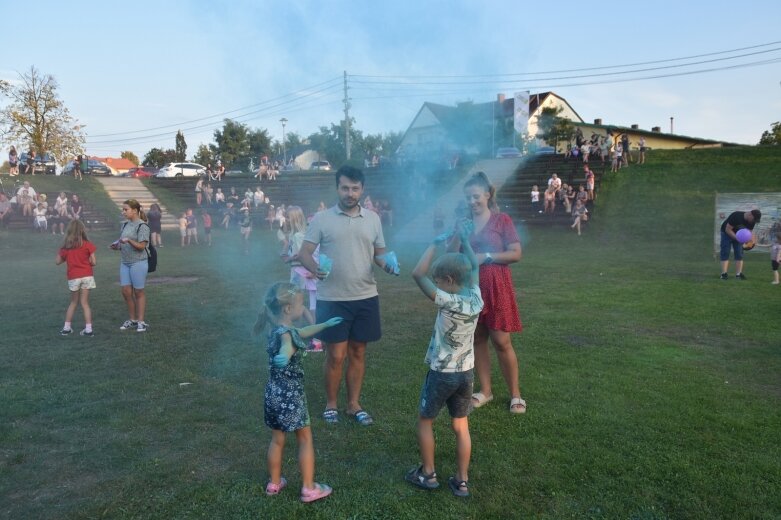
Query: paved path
(120, 189)
(421, 228)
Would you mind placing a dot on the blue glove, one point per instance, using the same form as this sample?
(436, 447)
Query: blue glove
(326, 264)
(336, 320)
(391, 263)
(280, 361)
(465, 229)
(444, 237)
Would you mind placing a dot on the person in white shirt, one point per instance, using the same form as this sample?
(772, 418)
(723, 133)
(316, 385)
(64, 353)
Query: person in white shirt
(25, 199)
(554, 182)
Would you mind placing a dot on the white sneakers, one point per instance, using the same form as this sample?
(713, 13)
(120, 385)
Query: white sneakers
(140, 326)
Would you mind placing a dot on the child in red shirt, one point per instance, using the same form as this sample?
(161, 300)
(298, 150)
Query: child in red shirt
(207, 225)
(79, 254)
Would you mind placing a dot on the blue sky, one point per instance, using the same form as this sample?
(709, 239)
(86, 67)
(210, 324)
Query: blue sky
(133, 67)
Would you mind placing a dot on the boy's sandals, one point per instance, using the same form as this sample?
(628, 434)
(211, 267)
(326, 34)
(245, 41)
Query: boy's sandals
(274, 489)
(460, 488)
(362, 417)
(331, 415)
(316, 493)
(417, 477)
(479, 399)
(517, 405)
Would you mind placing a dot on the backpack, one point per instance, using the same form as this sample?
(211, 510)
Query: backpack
(151, 251)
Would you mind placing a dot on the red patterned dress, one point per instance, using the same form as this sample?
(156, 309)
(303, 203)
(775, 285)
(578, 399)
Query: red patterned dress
(500, 311)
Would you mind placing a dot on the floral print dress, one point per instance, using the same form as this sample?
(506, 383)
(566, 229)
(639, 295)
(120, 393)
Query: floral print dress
(285, 407)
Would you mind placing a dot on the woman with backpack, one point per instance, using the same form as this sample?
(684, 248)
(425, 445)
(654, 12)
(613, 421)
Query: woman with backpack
(134, 264)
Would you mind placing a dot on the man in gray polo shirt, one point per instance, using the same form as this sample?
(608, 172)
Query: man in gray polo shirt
(352, 237)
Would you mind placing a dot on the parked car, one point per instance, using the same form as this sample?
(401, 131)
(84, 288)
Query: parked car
(93, 168)
(545, 150)
(141, 172)
(508, 153)
(43, 163)
(183, 169)
(321, 165)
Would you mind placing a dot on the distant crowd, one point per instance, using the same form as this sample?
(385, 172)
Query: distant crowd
(37, 211)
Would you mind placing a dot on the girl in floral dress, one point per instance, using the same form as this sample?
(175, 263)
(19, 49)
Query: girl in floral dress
(285, 406)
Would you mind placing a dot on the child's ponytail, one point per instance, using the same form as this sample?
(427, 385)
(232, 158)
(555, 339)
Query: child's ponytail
(261, 321)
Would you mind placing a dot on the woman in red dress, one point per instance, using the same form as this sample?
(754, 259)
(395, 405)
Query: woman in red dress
(496, 243)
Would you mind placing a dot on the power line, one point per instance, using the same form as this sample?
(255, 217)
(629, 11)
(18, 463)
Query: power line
(258, 113)
(575, 70)
(601, 74)
(548, 86)
(202, 129)
(222, 114)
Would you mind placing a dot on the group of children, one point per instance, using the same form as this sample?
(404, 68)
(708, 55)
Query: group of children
(188, 227)
(451, 281)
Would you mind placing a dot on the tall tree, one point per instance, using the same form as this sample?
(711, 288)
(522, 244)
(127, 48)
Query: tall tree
(772, 136)
(292, 140)
(203, 156)
(232, 142)
(181, 147)
(391, 142)
(38, 117)
(372, 144)
(157, 157)
(552, 129)
(259, 143)
(130, 156)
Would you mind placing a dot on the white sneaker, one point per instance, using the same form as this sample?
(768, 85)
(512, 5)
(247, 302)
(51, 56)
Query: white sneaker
(129, 324)
(142, 326)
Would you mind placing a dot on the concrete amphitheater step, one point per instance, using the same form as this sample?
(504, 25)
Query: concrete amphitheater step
(120, 189)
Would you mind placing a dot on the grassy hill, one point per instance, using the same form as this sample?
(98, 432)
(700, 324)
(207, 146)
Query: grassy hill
(653, 387)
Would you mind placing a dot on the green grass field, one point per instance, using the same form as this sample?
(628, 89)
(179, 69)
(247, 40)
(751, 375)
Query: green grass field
(653, 387)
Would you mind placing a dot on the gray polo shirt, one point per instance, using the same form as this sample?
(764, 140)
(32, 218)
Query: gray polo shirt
(350, 242)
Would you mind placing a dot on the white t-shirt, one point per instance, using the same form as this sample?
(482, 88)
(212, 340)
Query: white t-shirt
(451, 347)
(554, 183)
(535, 196)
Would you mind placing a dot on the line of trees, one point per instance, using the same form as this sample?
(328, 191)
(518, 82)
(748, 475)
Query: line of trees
(236, 143)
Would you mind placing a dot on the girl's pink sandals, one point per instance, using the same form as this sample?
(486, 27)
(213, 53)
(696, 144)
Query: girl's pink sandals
(274, 489)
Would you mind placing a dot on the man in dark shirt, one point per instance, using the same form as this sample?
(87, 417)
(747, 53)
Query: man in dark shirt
(737, 220)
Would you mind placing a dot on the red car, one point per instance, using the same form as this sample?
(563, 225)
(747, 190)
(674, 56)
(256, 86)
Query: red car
(142, 172)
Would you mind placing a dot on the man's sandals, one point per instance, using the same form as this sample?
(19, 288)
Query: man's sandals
(362, 417)
(517, 405)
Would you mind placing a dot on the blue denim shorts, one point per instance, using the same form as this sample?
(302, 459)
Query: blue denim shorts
(451, 388)
(726, 243)
(133, 274)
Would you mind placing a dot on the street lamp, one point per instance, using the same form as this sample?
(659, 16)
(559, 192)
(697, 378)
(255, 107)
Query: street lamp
(284, 152)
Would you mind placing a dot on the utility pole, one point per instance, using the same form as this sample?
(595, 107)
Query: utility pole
(284, 151)
(346, 119)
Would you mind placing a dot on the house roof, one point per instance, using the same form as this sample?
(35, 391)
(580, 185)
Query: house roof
(657, 135)
(117, 164)
(449, 116)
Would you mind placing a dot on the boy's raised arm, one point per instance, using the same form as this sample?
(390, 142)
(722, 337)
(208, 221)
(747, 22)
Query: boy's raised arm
(420, 273)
